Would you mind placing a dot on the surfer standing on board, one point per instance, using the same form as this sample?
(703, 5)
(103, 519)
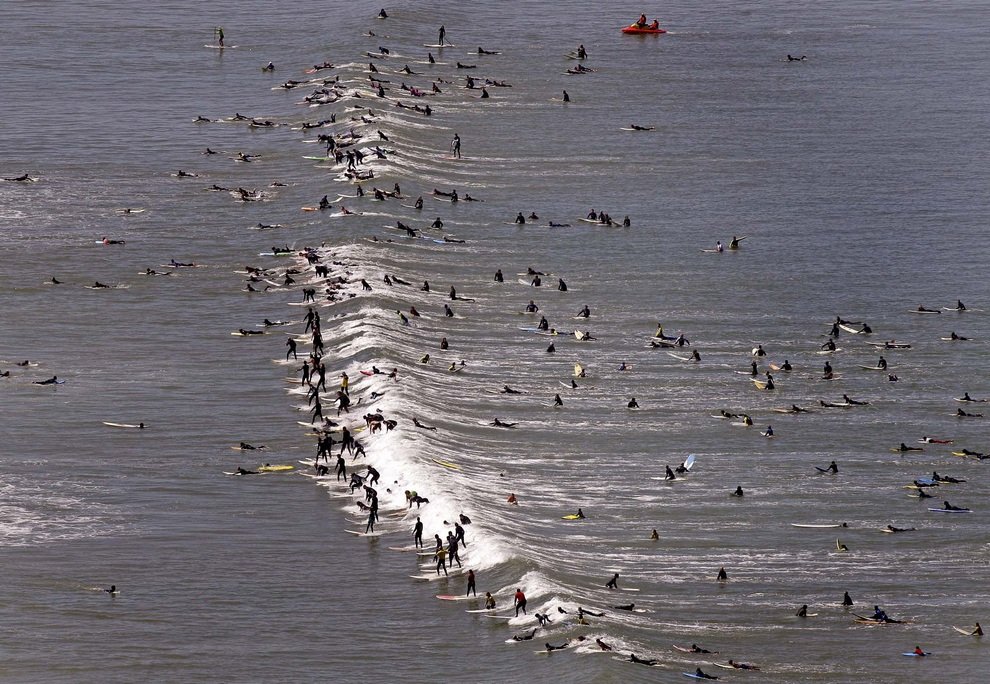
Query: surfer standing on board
(220, 36)
(442, 35)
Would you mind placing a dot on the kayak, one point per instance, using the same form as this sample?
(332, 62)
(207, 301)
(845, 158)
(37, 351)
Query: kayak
(636, 29)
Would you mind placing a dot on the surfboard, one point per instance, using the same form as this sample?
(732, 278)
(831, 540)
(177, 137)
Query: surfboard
(434, 578)
(450, 597)
(917, 655)
(915, 311)
(680, 357)
(446, 464)
(682, 649)
(438, 46)
(124, 425)
(358, 533)
(875, 368)
(741, 424)
(967, 632)
(572, 516)
(221, 47)
(818, 526)
(829, 351)
(276, 468)
(851, 330)
(760, 384)
(694, 676)
(645, 129)
(689, 462)
(944, 510)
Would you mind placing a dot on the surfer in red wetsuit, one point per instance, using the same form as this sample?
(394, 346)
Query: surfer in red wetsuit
(520, 602)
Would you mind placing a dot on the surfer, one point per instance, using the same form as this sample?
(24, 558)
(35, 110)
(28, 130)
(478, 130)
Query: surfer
(557, 401)
(702, 675)
(441, 558)
(632, 403)
(829, 345)
(802, 612)
(421, 426)
(643, 661)
(112, 590)
(695, 648)
(441, 35)
(470, 584)
(525, 637)
(242, 471)
(519, 603)
(655, 536)
(882, 362)
(489, 601)
(512, 500)
(508, 390)
(50, 381)
(722, 577)
(891, 528)
(499, 423)
(580, 514)
(613, 583)
(566, 98)
(846, 599)
(520, 219)
(219, 36)
(602, 645)
(742, 666)
(946, 506)
(669, 474)
(455, 146)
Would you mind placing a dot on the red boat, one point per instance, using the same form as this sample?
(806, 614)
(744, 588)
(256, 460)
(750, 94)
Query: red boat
(642, 29)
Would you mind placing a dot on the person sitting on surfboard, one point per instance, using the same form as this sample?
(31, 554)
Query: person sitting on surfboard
(738, 492)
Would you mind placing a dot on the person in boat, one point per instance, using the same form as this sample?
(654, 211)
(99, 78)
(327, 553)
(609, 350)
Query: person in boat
(655, 26)
(641, 22)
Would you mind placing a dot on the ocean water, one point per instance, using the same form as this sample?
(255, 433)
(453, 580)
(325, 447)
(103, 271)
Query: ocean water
(858, 177)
